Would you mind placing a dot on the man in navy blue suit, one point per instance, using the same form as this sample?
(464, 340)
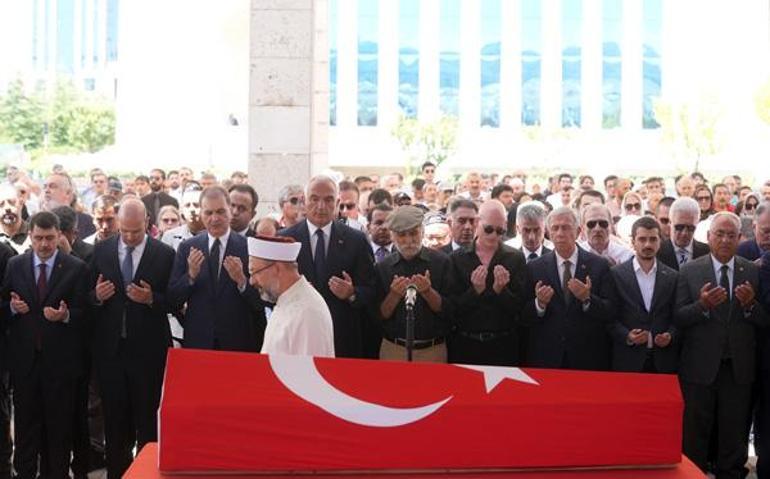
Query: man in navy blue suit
(338, 262)
(568, 311)
(754, 248)
(762, 421)
(224, 312)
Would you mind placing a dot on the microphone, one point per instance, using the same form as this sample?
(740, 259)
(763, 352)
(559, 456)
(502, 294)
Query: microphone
(411, 296)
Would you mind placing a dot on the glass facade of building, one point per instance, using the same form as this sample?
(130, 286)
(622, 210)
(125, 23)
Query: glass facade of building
(333, 5)
(408, 57)
(571, 56)
(651, 34)
(367, 61)
(491, 25)
(531, 50)
(449, 58)
(612, 36)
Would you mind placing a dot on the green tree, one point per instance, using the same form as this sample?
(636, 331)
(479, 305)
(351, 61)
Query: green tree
(21, 116)
(92, 127)
(434, 142)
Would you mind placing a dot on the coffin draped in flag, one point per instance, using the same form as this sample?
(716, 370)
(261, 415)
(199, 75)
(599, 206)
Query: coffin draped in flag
(228, 412)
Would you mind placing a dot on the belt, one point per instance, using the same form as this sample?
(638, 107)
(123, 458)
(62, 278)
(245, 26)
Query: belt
(485, 336)
(418, 343)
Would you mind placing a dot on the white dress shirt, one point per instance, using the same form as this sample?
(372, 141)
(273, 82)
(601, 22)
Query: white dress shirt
(615, 251)
(687, 250)
(222, 246)
(717, 265)
(136, 255)
(311, 228)
(646, 282)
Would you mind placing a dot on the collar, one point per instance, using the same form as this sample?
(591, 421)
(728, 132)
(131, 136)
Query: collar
(292, 293)
(717, 265)
(638, 267)
(573, 258)
(36, 261)
(687, 248)
(327, 229)
(422, 255)
(243, 233)
(222, 239)
(140, 247)
(375, 246)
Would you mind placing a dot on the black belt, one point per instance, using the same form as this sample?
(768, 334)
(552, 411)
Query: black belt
(418, 343)
(485, 336)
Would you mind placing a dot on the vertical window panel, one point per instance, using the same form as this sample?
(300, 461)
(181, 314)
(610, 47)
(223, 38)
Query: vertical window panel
(65, 36)
(449, 80)
(367, 62)
(651, 33)
(571, 57)
(112, 30)
(531, 51)
(490, 62)
(408, 56)
(333, 4)
(612, 36)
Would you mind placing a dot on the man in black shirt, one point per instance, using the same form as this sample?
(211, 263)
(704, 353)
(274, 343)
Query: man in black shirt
(429, 271)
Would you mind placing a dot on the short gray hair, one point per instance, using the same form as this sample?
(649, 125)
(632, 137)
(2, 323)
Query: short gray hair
(762, 208)
(322, 178)
(563, 211)
(684, 204)
(728, 214)
(287, 192)
(531, 211)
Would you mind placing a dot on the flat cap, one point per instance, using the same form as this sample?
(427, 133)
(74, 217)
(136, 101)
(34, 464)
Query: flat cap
(405, 218)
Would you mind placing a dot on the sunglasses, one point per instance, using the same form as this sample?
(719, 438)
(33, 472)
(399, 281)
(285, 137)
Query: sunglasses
(489, 229)
(347, 206)
(604, 224)
(750, 206)
(689, 228)
(633, 206)
(296, 201)
(703, 198)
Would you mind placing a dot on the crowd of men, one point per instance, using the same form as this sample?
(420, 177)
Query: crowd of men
(625, 277)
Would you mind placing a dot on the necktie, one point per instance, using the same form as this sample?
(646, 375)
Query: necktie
(682, 256)
(127, 273)
(380, 254)
(42, 287)
(214, 260)
(531, 257)
(567, 277)
(724, 281)
(320, 259)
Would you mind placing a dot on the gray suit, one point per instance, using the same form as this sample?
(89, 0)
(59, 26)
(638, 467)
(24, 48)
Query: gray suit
(717, 365)
(631, 313)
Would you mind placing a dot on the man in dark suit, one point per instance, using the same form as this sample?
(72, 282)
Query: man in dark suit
(567, 309)
(157, 198)
(6, 444)
(681, 247)
(462, 216)
(718, 314)
(762, 420)
(223, 311)
(338, 261)
(754, 248)
(44, 297)
(131, 333)
(243, 207)
(530, 225)
(643, 293)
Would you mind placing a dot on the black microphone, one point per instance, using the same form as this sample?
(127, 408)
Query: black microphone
(411, 296)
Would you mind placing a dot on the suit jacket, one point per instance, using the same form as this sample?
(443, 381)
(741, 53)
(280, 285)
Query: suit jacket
(667, 254)
(61, 353)
(348, 250)
(164, 199)
(631, 313)
(543, 251)
(218, 315)
(763, 296)
(725, 330)
(567, 331)
(83, 250)
(749, 249)
(85, 225)
(148, 335)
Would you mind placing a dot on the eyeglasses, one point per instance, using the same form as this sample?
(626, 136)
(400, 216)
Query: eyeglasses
(680, 228)
(604, 224)
(489, 229)
(347, 206)
(664, 221)
(633, 206)
(262, 268)
(703, 198)
(722, 236)
(296, 201)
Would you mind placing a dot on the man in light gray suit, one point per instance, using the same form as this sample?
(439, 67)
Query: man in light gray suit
(718, 314)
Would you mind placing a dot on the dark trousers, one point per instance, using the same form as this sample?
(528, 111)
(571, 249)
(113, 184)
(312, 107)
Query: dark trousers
(6, 443)
(501, 351)
(726, 405)
(762, 426)
(44, 405)
(130, 399)
(81, 440)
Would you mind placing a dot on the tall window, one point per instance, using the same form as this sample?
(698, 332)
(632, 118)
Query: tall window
(35, 33)
(95, 40)
(408, 56)
(367, 62)
(112, 30)
(531, 48)
(83, 34)
(612, 34)
(65, 31)
(332, 62)
(490, 62)
(449, 83)
(571, 63)
(653, 13)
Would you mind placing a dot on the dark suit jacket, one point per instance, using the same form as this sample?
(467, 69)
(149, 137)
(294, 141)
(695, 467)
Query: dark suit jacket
(348, 251)
(148, 335)
(545, 250)
(704, 337)
(749, 249)
(220, 316)
(62, 343)
(667, 254)
(763, 296)
(85, 225)
(164, 200)
(566, 331)
(83, 250)
(630, 313)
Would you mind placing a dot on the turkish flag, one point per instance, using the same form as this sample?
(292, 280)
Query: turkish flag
(254, 413)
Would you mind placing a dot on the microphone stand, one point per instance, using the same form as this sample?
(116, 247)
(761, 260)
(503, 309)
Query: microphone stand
(409, 332)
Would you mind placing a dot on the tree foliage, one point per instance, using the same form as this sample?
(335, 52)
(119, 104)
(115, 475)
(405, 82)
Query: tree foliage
(434, 142)
(22, 117)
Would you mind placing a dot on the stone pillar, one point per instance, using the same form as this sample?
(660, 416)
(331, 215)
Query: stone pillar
(288, 95)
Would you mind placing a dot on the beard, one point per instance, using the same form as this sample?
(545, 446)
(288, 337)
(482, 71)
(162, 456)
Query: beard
(267, 296)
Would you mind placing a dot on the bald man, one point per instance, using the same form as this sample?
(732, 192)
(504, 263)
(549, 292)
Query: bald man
(488, 288)
(131, 334)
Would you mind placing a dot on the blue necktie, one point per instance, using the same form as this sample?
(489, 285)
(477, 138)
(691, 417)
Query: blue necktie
(320, 259)
(380, 254)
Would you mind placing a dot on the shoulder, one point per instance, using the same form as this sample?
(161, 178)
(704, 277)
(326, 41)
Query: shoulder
(19, 260)
(746, 264)
(691, 267)
(593, 259)
(162, 248)
(71, 260)
(435, 257)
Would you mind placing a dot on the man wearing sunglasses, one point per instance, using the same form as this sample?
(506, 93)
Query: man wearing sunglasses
(597, 229)
(567, 306)
(348, 206)
(682, 247)
(753, 249)
(488, 290)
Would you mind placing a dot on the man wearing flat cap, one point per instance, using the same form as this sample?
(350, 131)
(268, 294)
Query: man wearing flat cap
(429, 272)
(300, 323)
